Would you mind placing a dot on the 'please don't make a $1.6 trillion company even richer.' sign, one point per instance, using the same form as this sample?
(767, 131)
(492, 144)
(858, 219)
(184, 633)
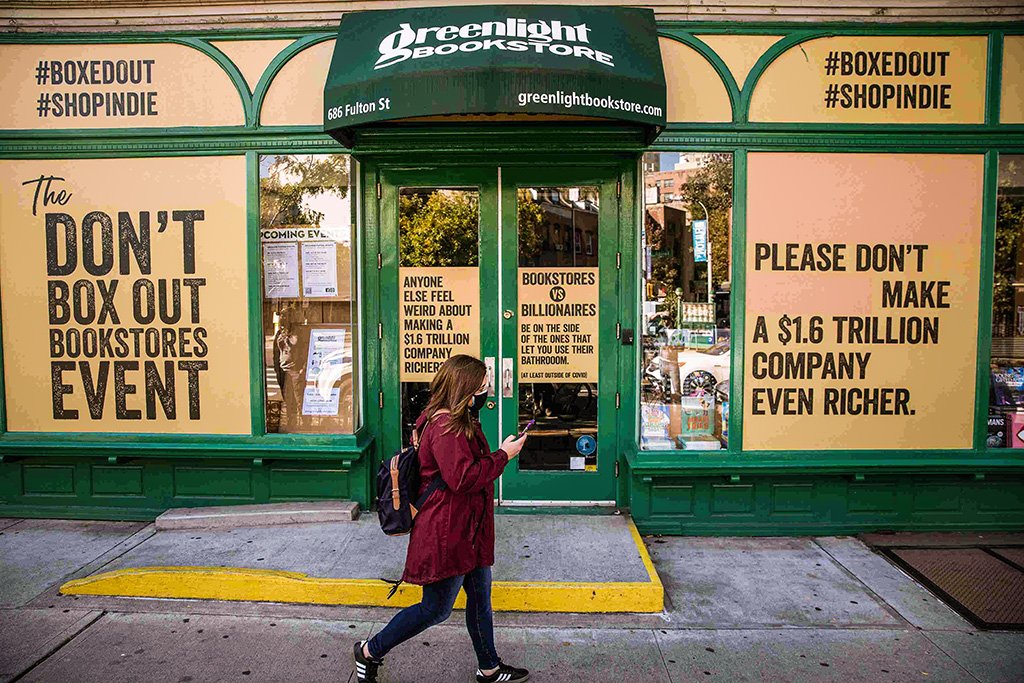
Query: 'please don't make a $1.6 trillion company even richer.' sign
(862, 307)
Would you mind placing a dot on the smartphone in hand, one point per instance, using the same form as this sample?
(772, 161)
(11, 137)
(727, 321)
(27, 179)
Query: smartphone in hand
(527, 428)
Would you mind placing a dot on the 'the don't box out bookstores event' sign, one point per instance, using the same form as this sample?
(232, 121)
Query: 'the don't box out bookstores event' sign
(124, 289)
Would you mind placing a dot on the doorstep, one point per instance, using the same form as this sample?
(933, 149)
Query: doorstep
(273, 514)
(544, 563)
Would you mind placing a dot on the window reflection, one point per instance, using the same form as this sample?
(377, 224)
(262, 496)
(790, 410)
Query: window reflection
(685, 266)
(558, 238)
(439, 246)
(1006, 396)
(309, 311)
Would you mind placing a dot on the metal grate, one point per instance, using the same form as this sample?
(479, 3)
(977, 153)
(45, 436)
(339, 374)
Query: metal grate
(986, 589)
(1011, 555)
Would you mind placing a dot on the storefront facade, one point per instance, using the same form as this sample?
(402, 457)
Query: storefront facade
(783, 297)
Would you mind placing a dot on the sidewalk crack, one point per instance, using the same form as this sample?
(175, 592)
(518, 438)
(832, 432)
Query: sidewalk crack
(664, 662)
(62, 643)
(903, 621)
(928, 637)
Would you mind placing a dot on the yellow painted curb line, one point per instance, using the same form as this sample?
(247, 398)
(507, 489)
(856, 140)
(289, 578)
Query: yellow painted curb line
(271, 585)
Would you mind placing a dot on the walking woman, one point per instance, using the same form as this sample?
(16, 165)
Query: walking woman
(452, 541)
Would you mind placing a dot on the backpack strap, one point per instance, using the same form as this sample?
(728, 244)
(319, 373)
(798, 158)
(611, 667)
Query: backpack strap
(395, 493)
(414, 439)
(437, 483)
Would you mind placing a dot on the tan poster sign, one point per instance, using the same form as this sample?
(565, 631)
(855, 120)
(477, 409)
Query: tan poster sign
(862, 301)
(138, 85)
(124, 286)
(438, 317)
(558, 324)
(875, 79)
(1011, 102)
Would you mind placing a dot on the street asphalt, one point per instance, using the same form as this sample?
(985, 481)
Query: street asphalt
(737, 609)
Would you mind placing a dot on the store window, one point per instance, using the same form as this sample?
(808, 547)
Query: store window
(564, 409)
(685, 266)
(310, 321)
(439, 253)
(1006, 396)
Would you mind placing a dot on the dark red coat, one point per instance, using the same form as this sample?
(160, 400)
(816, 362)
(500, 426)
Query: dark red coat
(454, 532)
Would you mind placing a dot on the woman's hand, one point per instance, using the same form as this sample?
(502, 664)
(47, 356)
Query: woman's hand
(512, 445)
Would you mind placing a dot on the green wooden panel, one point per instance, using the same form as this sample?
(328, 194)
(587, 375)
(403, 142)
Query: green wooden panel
(817, 504)
(48, 480)
(732, 499)
(937, 497)
(83, 488)
(792, 498)
(672, 499)
(288, 483)
(1000, 497)
(117, 480)
(872, 497)
(212, 482)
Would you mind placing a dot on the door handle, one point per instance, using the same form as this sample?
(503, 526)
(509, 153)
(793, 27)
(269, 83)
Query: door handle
(507, 314)
(489, 362)
(490, 405)
(506, 378)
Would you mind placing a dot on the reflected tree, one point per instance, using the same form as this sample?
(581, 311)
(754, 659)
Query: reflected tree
(290, 180)
(531, 221)
(1009, 256)
(711, 185)
(439, 229)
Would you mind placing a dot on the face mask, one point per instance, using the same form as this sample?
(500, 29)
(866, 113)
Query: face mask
(478, 401)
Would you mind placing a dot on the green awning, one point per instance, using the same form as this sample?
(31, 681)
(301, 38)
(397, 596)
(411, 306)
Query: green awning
(600, 62)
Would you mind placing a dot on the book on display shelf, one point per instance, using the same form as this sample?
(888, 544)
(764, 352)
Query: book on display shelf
(698, 442)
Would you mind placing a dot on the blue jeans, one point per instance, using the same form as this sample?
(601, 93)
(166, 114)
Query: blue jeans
(436, 607)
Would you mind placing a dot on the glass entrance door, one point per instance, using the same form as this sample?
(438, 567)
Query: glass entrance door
(532, 289)
(438, 243)
(559, 344)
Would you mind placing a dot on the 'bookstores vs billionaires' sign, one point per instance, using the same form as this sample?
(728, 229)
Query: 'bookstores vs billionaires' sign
(124, 289)
(862, 300)
(558, 324)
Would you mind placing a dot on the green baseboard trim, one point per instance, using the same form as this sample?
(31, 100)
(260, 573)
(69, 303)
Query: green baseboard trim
(78, 487)
(109, 514)
(555, 510)
(821, 504)
(674, 528)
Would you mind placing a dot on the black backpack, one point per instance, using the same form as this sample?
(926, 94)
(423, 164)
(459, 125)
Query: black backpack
(398, 480)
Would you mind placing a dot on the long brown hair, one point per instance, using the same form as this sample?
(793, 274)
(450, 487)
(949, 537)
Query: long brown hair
(453, 388)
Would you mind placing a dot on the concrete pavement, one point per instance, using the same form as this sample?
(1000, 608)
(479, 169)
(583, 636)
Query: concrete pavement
(543, 563)
(737, 609)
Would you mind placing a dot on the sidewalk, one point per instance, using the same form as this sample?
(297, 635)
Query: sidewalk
(543, 563)
(736, 609)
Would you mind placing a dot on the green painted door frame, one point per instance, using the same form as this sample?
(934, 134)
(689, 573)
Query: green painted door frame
(485, 181)
(556, 487)
(500, 417)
